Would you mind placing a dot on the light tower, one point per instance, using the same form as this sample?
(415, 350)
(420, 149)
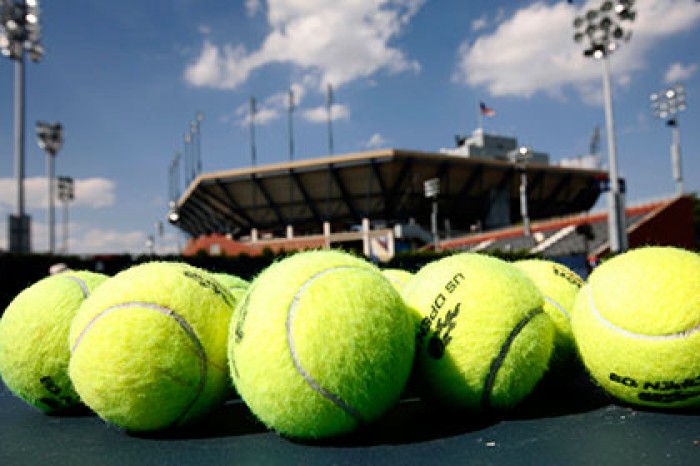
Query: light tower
(666, 105)
(19, 32)
(523, 157)
(66, 193)
(603, 31)
(431, 188)
(50, 139)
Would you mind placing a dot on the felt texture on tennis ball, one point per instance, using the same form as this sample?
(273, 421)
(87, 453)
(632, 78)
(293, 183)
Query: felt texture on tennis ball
(637, 327)
(397, 277)
(235, 284)
(483, 340)
(321, 344)
(559, 286)
(34, 349)
(148, 348)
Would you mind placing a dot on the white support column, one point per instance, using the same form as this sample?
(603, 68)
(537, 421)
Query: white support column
(366, 246)
(327, 234)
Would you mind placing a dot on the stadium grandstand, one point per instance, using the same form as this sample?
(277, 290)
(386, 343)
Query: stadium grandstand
(376, 202)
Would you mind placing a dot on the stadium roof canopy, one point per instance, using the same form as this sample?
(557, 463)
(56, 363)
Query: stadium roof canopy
(385, 186)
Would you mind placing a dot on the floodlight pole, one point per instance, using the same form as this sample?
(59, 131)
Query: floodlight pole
(290, 122)
(616, 202)
(196, 138)
(667, 105)
(431, 188)
(329, 114)
(524, 154)
(65, 194)
(50, 164)
(676, 157)
(19, 145)
(20, 31)
(64, 249)
(50, 139)
(602, 28)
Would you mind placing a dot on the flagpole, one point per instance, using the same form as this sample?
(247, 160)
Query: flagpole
(291, 129)
(329, 108)
(291, 147)
(479, 117)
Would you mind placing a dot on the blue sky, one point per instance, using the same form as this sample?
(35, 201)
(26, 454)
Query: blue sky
(127, 78)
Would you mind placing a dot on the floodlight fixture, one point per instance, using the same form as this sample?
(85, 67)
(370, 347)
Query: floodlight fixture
(20, 31)
(666, 105)
(603, 27)
(50, 139)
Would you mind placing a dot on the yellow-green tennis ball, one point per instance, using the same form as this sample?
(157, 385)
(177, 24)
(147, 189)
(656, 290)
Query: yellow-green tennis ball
(236, 285)
(321, 344)
(397, 277)
(148, 348)
(637, 327)
(483, 340)
(559, 286)
(34, 329)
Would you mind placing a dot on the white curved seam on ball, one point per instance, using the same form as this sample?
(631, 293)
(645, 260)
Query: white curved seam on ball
(335, 399)
(610, 325)
(81, 283)
(181, 322)
(557, 305)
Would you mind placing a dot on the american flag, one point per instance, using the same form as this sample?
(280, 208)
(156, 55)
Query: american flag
(486, 110)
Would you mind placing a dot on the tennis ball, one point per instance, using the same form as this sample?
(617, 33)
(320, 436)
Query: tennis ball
(148, 348)
(34, 331)
(236, 285)
(321, 344)
(559, 286)
(397, 277)
(637, 326)
(483, 340)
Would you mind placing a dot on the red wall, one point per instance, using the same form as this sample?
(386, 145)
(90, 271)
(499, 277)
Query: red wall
(670, 226)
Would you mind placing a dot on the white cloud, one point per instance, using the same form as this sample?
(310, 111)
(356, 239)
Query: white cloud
(84, 238)
(90, 240)
(87, 239)
(271, 108)
(89, 192)
(533, 50)
(479, 24)
(265, 112)
(94, 192)
(339, 41)
(679, 72)
(252, 7)
(375, 141)
(277, 105)
(263, 115)
(225, 67)
(320, 114)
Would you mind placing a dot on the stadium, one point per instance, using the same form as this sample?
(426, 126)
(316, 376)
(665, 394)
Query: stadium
(489, 194)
